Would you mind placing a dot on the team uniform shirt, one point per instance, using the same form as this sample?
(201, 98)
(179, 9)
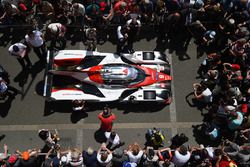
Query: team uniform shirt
(207, 95)
(37, 41)
(138, 22)
(115, 141)
(179, 159)
(22, 50)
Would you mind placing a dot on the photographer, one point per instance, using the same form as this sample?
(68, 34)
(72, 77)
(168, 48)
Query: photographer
(104, 156)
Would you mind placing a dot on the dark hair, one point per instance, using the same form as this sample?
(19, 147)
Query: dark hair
(183, 150)
(151, 153)
(113, 134)
(218, 152)
(30, 32)
(104, 156)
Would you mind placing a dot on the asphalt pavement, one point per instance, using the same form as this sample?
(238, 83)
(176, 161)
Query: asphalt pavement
(24, 115)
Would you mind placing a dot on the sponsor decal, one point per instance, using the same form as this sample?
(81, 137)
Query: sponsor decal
(71, 94)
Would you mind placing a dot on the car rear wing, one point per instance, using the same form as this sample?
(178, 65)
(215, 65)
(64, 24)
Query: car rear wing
(48, 76)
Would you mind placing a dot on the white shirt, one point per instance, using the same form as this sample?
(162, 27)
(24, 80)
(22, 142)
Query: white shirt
(207, 95)
(119, 33)
(37, 41)
(130, 21)
(135, 158)
(106, 162)
(115, 141)
(179, 159)
(56, 26)
(210, 151)
(22, 50)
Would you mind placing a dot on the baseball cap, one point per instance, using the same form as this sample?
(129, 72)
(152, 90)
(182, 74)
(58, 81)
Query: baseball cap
(102, 6)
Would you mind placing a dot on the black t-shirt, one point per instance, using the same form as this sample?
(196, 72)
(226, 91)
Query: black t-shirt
(31, 162)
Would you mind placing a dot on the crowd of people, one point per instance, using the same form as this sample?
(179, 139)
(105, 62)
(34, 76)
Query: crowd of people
(112, 153)
(220, 29)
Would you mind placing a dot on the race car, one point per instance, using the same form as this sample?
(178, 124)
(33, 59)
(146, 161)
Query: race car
(143, 76)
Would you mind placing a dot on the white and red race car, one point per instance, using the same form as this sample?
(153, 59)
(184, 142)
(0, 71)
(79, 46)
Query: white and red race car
(104, 77)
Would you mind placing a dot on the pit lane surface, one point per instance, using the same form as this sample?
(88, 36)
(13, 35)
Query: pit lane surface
(21, 118)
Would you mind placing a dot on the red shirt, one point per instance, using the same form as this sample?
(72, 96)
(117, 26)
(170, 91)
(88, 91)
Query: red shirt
(224, 163)
(107, 122)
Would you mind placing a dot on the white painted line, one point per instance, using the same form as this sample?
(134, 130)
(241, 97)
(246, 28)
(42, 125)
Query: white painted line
(95, 126)
(173, 116)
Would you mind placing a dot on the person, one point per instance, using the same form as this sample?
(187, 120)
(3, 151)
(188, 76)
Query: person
(106, 117)
(178, 140)
(134, 153)
(56, 30)
(13, 161)
(51, 159)
(78, 105)
(46, 10)
(122, 37)
(20, 51)
(155, 137)
(134, 26)
(78, 11)
(202, 93)
(224, 160)
(4, 74)
(113, 140)
(28, 157)
(104, 156)
(49, 138)
(4, 155)
(181, 156)
(165, 156)
(119, 157)
(91, 40)
(245, 134)
(235, 120)
(3, 88)
(150, 157)
(90, 157)
(76, 159)
(35, 40)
